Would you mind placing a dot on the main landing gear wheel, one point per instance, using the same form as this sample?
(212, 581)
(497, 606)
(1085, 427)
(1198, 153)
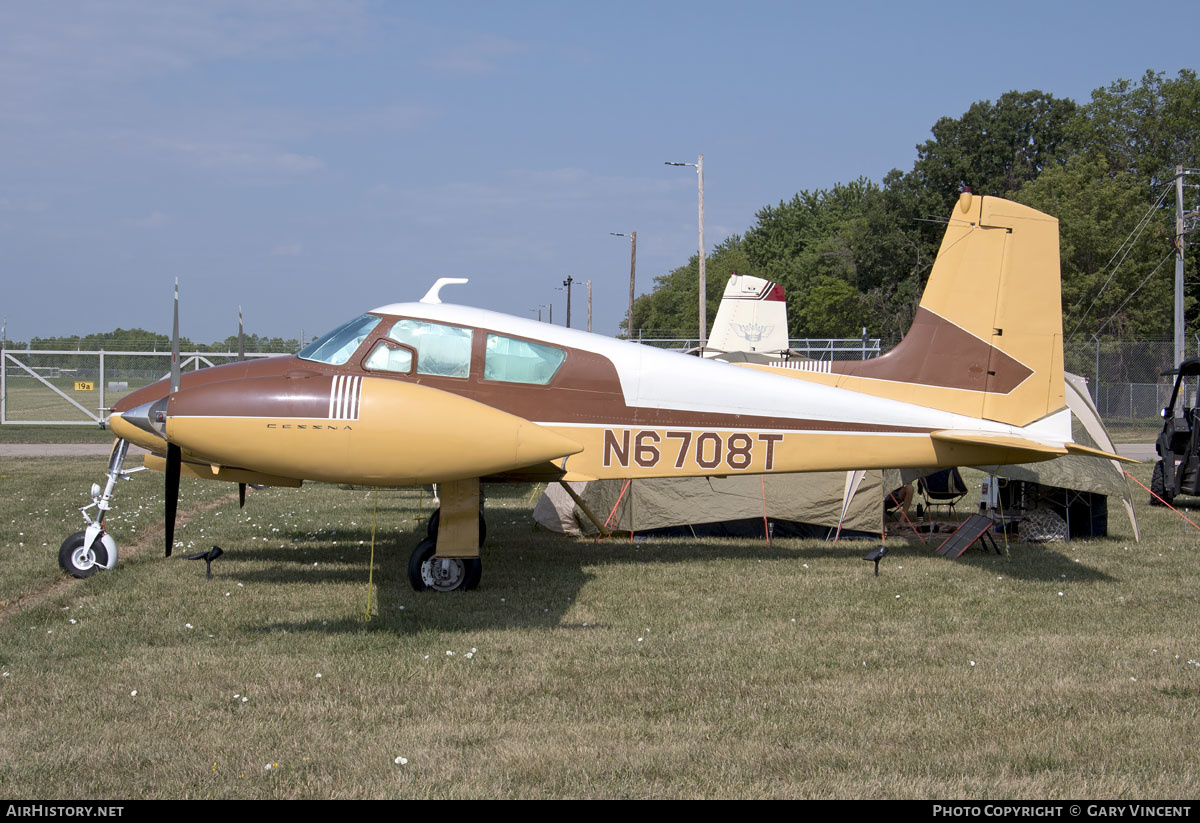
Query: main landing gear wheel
(442, 574)
(79, 560)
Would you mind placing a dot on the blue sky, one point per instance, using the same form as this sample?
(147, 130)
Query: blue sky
(311, 160)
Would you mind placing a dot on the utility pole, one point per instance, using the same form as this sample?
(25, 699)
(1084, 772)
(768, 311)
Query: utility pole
(699, 166)
(632, 277)
(589, 328)
(568, 283)
(703, 282)
(1179, 248)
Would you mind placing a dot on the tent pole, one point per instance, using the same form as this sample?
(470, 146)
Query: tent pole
(579, 502)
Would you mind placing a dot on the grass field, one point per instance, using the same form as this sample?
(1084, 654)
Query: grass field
(579, 668)
(30, 399)
(54, 434)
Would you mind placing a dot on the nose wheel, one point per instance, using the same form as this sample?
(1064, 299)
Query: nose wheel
(78, 559)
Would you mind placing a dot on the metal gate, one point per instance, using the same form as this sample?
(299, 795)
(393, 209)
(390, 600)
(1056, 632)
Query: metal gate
(77, 388)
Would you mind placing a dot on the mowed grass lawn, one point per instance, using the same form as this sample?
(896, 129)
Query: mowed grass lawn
(30, 399)
(579, 668)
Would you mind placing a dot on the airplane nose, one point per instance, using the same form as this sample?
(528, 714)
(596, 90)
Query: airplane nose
(144, 425)
(149, 417)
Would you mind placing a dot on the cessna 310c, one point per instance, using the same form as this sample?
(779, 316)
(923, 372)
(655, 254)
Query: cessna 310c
(417, 393)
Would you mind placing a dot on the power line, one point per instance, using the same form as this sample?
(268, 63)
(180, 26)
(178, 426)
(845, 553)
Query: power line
(1170, 254)
(1126, 246)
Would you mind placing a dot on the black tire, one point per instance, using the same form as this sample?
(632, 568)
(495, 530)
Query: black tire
(74, 559)
(448, 574)
(431, 528)
(1158, 486)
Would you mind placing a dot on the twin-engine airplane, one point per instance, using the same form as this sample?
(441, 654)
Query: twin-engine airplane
(417, 393)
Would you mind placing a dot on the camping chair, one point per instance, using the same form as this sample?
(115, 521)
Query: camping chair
(944, 488)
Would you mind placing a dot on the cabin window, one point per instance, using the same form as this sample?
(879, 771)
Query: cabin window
(336, 347)
(442, 350)
(519, 361)
(392, 358)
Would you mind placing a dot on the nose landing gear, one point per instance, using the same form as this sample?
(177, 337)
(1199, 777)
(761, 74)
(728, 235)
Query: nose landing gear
(84, 552)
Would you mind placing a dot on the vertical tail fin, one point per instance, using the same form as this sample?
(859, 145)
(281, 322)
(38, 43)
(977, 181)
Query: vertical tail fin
(752, 317)
(987, 338)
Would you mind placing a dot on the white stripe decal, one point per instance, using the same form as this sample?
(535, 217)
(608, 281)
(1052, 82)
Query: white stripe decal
(822, 366)
(345, 393)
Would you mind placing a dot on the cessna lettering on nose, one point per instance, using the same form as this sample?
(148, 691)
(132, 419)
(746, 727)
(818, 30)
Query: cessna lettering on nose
(427, 392)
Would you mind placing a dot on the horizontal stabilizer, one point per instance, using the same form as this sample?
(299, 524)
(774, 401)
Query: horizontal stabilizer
(1002, 441)
(1088, 451)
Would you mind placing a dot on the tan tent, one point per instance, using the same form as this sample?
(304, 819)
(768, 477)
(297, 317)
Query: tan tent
(818, 498)
(1083, 474)
(821, 499)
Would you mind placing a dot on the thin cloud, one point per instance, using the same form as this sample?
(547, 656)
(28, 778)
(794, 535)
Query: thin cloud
(27, 206)
(113, 41)
(483, 55)
(150, 221)
(248, 159)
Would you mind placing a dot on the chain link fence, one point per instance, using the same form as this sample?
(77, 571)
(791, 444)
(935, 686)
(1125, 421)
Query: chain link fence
(77, 388)
(812, 348)
(1125, 378)
(67, 387)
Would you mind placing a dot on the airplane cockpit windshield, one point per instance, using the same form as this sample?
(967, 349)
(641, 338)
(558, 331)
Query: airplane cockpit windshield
(336, 346)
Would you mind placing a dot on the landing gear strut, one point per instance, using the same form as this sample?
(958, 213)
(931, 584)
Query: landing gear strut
(84, 552)
(427, 572)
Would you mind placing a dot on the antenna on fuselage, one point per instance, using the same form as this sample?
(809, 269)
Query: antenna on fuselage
(431, 296)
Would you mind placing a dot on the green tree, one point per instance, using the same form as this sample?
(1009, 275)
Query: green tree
(860, 234)
(994, 148)
(1142, 129)
(255, 343)
(867, 249)
(831, 308)
(670, 309)
(1104, 283)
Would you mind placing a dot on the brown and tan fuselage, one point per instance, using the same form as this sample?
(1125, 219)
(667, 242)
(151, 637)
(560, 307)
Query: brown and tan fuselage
(978, 380)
